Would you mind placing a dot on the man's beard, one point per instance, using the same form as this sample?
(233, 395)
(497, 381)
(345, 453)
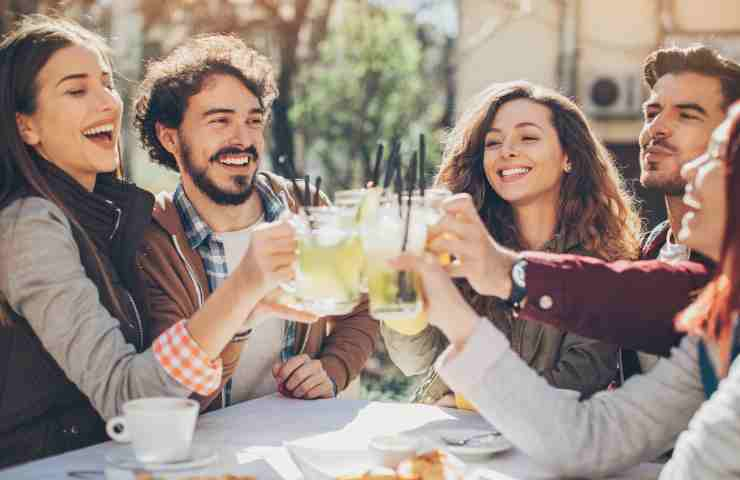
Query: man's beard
(245, 185)
(671, 187)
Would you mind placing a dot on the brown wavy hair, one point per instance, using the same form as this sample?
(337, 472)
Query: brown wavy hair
(595, 211)
(710, 316)
(170, 82)
(24, 51)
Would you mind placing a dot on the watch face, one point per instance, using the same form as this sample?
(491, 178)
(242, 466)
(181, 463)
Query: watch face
(518, 272)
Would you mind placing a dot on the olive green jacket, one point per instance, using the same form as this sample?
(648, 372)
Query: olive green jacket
(566, 360)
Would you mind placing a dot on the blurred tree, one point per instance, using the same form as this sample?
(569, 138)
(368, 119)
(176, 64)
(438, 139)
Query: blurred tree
(11, 10)
(368, 84)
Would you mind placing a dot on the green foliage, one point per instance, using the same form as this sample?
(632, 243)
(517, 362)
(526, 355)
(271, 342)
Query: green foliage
(368, 85)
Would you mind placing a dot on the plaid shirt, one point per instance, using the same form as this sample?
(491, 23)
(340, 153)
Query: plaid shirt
(184, 360)
(202, 239)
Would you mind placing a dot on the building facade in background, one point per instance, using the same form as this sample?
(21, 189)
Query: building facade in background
(591, 50)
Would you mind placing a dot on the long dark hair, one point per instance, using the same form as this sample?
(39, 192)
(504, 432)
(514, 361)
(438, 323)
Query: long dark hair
(595, 210)
(710, 316)
(23, 53)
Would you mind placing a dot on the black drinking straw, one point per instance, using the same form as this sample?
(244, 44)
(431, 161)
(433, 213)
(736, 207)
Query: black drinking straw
(316, 196)
(422, 162)
(391, 162)
(307, 190)
(290, 167)
(403, 287)
(378, 161)
(399, 187)
(410, 185)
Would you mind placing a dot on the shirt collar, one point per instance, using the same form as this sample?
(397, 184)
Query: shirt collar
(198, 231)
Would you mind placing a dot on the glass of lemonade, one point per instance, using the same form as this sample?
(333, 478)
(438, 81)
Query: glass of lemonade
(330, 260)
(413, 323)
(394, 295)
(361, 206)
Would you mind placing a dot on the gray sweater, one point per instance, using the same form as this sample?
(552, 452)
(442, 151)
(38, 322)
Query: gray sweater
(612, 430)
(43, 280)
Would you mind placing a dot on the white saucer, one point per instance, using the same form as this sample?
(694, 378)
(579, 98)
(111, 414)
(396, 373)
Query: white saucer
(476, 447)
(200, 456)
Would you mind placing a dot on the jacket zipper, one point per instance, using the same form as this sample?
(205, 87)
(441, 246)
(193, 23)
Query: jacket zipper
(201, 298)
(139, 325)
(138, 319)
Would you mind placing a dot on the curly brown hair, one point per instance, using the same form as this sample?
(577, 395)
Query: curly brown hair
(697, 59)
(595, 208)
(170, 82)
(596, 211)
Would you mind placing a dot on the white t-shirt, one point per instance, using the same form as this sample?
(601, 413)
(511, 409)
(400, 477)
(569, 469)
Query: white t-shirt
(253, 376)
(670, 253)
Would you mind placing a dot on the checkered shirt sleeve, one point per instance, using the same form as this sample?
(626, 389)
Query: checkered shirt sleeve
(184, 360)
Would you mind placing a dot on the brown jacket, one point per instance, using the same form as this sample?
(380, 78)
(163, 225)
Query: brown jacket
(177, 286)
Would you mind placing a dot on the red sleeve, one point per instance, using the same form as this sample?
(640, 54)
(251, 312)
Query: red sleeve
(631, 304)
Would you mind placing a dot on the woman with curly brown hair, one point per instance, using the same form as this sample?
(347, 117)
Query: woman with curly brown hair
(540, 180)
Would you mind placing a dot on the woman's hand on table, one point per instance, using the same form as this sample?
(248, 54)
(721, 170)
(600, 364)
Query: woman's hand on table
(303, 377)
(445, 306)
(479, 259)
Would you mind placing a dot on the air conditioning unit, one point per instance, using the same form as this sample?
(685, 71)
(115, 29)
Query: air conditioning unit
(608, 96)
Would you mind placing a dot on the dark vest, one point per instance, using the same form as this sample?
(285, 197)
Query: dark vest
(42, 412)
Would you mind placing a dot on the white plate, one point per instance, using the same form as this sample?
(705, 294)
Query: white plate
(476, 447)
(200, 456)
(320, 464)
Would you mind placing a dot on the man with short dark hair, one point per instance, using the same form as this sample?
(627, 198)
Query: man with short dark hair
(202, 111)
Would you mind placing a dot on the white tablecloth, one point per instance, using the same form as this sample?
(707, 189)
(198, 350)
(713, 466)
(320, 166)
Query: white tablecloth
(249, 438)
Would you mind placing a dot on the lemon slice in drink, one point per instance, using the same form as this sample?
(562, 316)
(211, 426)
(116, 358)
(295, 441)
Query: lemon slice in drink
(368, 207)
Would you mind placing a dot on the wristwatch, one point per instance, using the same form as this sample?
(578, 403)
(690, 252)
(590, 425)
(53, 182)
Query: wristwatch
(518, 283)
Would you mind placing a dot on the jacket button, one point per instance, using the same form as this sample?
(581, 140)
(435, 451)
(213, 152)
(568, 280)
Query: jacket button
(546, 302)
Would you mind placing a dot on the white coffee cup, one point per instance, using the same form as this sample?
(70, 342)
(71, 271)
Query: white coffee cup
(160, 429)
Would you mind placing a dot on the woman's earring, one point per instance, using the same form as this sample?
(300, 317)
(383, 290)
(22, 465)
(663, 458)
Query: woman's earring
(568, 167)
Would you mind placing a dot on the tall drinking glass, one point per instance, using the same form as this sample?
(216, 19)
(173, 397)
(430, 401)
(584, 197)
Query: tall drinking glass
(431, 213)
(361, 206)
(394, 295)
(330, 259)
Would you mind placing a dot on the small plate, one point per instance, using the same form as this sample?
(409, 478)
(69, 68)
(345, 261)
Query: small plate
(200, 456)
(476, 447)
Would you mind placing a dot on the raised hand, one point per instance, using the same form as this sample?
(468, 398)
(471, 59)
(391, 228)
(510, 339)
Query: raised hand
(270, 257)
(445, 306)
(479, 259)
(270, 307)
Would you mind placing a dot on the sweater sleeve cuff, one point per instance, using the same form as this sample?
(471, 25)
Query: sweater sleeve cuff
(183, 360)
(463, 370)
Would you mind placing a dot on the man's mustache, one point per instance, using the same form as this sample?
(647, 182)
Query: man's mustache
(660, 142)
(235, 151)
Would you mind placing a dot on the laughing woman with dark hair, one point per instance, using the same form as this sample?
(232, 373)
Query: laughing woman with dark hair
(73, 335)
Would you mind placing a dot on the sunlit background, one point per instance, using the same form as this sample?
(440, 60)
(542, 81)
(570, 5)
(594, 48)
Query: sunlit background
(353, 73)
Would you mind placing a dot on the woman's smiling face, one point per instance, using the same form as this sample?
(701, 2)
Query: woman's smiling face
(703, 225)
(524, 160)
(77, 121)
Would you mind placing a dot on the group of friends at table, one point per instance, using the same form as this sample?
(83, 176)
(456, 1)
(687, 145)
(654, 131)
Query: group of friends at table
(588, 343)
